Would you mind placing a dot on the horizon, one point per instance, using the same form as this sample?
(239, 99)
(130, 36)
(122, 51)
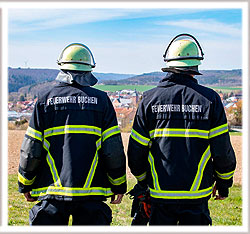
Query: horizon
(39, 68)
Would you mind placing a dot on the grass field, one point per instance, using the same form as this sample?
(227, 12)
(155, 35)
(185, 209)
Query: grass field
(113, 88)
(142, 88)
(227, 212)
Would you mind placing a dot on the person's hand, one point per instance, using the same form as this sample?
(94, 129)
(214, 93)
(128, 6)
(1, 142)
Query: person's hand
(217, 197)
(116, 198)
(29, 198)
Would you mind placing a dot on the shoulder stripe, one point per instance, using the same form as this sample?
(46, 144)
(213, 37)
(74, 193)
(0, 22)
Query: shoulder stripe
(139, 138)
(110, 132)
(218, 130)
(34, 133)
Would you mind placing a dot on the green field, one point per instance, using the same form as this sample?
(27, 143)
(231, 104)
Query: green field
(143, 88)
(113, 88)
(226, 88)
(226, 212)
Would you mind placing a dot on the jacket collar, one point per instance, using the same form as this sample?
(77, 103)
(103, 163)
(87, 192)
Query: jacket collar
(175, 78)
(82, 78)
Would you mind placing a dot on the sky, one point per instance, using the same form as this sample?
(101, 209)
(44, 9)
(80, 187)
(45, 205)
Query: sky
(123, 40)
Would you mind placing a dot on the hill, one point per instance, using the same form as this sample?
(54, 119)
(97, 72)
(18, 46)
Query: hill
(231, 78)
(29, 81)
(29, 77)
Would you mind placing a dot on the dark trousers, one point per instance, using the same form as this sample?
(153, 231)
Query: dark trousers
(180, 214)
(53, 212)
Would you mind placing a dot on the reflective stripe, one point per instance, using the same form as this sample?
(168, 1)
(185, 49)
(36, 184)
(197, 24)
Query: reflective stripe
(66, 191)
(178, 132)
(117, 181)
(51, 164)
(34, 133)
(72, 129)
(153, 171)
(93, 166)
(202, 164)
(180, 194)
(142, 176)
(218, 130)
(110, 132)
(139, 138)
(25, 181)
(225, 176)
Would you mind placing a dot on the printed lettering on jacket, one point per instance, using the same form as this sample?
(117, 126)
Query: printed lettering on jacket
(72, 99)
(161, 108)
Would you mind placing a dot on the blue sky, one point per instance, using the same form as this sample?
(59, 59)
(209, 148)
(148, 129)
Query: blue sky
(123, 40)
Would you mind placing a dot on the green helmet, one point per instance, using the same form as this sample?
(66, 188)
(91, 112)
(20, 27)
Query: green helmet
(76, 57)
(183, 51)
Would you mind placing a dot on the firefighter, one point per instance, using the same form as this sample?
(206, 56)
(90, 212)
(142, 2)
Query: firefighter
(72, 157)
(179, 145)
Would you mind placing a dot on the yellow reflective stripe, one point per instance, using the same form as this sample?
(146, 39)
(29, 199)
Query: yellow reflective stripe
(218, 130)
(153, 171)
(72, 129)
(141, 177)
(178, 132)
(25, 181)
(117, 181)
(180, 194)
(202, 164)
(34, 133)
(93, 166)
(225, 176)
(52, 165)
(67, 191)
(110, 132)
(139, 138)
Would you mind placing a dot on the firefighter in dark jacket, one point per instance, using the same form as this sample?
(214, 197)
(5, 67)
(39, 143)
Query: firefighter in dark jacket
(179, 145)
(72, 157)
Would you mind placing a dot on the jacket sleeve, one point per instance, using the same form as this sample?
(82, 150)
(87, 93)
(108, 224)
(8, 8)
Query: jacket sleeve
(31, 152)
(112, 151)
(138, 148)
(222, 152)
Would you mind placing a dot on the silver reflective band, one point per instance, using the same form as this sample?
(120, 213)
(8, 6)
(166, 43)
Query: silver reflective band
(92, 171)
(34, 133)
(139, 138)
(218, 131)
(110, 132)
(93, 166)
(72, 129)
(51, 164)
(202, 164)
(142, 176)
(117, 181)
(168, 132)
(153, 171)
(225, 176)
(181, 194)
(66, 191)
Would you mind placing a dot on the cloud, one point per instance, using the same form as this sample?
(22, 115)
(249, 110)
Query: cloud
(23, 20)
(37, 19)
(208, 25)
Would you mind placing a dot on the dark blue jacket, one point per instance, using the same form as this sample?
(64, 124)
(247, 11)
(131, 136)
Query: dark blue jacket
(179, 144)
(72, 149)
